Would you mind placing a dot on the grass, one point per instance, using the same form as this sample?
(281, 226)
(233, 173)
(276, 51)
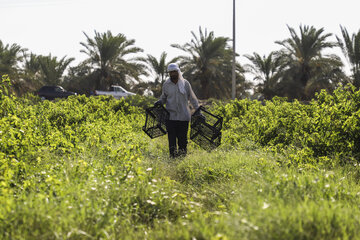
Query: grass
(249, 194)
(110, 181)
(225, 194)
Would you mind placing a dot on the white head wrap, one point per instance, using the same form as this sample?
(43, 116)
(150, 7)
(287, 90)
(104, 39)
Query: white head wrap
(181, 82)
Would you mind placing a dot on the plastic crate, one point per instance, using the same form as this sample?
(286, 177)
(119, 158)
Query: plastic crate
(206, 129)
(155, 123)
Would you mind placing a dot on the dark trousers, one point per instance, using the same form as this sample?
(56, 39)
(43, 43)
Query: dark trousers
(177, 131)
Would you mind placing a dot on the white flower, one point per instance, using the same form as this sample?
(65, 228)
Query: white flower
(151, 202)
(265, 206)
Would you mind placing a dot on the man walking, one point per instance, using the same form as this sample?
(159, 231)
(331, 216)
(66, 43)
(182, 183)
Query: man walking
(176, 94)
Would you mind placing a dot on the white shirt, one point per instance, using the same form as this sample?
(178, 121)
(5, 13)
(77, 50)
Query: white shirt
(177, 103)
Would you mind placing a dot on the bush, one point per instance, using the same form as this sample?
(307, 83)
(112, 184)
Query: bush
(328, 126)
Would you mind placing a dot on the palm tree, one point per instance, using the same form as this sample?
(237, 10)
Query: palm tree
(80, 79)
(159, 69)
(32, 63)
(351, 49)
(107, 57)
(52, 69)
(32, 71)
(10, 57)
(304, 61)
(267, 70)
(326, 77)
(208, 64)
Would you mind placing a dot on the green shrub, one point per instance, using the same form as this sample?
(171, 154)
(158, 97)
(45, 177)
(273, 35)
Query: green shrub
(328, 126)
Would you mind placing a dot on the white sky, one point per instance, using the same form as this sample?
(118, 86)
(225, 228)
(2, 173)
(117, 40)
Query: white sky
(56, 26)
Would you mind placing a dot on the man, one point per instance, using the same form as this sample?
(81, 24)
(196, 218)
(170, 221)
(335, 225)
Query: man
(176, 93)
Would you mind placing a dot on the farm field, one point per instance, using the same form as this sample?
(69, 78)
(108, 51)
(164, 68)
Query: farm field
(82, 168)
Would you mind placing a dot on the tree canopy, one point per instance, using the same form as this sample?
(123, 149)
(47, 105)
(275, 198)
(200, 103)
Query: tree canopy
(300, 68)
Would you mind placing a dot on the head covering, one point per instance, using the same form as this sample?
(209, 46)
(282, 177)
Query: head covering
(173, 67)
(181, 81)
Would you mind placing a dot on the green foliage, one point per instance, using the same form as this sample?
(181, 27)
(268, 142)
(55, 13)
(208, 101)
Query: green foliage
(326, 127)
(4, 85)
(81, 168)
(141, 101)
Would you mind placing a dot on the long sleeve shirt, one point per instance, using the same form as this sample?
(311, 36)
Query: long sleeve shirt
(177, 103)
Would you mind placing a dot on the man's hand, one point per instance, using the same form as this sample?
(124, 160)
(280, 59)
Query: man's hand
(198, 114)
(158, 103)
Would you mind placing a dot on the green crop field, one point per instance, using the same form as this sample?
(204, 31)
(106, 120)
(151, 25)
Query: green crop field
(82, 168)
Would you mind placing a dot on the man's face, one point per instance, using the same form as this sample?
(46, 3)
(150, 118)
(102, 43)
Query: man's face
(174, 75)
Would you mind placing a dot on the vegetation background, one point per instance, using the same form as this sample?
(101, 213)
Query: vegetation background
(82, 168)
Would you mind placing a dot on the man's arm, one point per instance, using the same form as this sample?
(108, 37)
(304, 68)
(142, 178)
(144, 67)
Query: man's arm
(192, 97)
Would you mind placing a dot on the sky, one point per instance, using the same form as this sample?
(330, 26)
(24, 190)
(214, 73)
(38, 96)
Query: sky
(58, 26)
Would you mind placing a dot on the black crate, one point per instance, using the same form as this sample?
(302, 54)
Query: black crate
(155, 123)
(206, 129)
